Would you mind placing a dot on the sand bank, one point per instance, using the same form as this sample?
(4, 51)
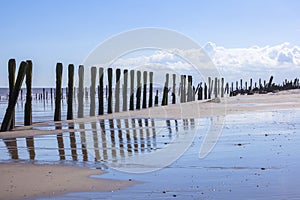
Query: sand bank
(19, 181)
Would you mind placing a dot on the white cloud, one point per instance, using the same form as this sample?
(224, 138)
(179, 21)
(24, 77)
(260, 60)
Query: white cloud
(255, 56)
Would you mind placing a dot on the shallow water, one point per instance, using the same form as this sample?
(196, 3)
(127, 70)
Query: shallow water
(257, 156)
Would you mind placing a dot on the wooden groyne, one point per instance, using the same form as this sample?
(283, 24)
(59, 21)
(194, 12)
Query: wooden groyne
(136, 91)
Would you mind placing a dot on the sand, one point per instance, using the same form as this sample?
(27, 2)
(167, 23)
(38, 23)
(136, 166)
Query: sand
(19, 181)
(27, 180)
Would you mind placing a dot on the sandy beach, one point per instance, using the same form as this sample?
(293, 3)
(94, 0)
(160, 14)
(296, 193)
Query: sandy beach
(20, 181)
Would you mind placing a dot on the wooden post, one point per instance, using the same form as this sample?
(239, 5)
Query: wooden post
(144, 104)
(138, 91)
(80, 90)
(5, 126)
(182, 89)
(250, 84)
(174, 90)
(100, 92)
(150, 90)
(131, 106)
(200, 92)
(156, 99)
(190, 89)
(93, 91)
(205, 91)
(28, 104)
(125, 90)
(117, 91)
(222, 87)
(70, 92)
(165, 93)
(12, 77)
(51, 95)
(110, 74)
(241, 84)
(216, 87)
(209, 87)
(57, 112)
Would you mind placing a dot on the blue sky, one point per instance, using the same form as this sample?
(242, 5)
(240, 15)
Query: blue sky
(66, 31)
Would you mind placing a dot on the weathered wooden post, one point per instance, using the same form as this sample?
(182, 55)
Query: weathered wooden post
(144, 104)
(250, 88)
(131, 106)
(165, 91)
(150, 90)
(70, 92)
(57, 111)
(138, 90)
(100, 92)
(117, 91)
(110, 74)
(174, 90)
(11, 79)
(190, 89)
(184, 93)
(209, 87)
(125, 90)
(156, 99)
(5, 126)
(181, 89)
(93, 91)
(205, 91)
(28, 104)
(241, 83)
(222, 87)
(80, 90)
(216, 87)
(200, 92)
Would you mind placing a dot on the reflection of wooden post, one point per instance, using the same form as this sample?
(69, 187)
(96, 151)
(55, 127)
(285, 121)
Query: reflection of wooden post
(12, 77)
(5, 126)
(190, 89)
(80, 90)
(138, 91)
(144, 104)
(61, 147)
(117, 91)
(173, 90)
(30, 147)
(165, 92)
(109, 106)
(70, 92)
(28, 104)
(57, 112)
(93, 91)
(131, 106)
(125, 90)
(150, 90)
(100, 92)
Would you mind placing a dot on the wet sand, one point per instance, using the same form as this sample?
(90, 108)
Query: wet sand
(19, 181)
(26, 180)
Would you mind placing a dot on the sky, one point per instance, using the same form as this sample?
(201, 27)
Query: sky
(52, 31)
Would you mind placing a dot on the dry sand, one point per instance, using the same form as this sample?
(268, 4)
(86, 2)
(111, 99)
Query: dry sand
(26, 180)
